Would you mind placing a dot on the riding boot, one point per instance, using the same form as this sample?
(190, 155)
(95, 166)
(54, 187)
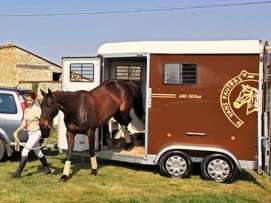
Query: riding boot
(45, 166)
(20, 168)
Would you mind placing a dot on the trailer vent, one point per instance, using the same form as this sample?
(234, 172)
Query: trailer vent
(180, 74)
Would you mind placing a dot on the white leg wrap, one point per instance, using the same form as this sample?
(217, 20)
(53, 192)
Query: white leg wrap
(93, 162)
(120, 133)
(67, 168)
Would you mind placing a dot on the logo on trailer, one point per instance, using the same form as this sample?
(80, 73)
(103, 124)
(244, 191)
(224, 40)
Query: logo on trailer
(238, 93)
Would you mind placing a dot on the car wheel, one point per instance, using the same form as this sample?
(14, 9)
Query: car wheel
(175, 164)
(219, 168)
(2, 150)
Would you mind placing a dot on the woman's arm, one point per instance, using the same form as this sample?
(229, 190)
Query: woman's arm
(22, 126)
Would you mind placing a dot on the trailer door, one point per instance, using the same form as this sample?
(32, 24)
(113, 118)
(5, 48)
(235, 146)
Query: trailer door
(78, 73)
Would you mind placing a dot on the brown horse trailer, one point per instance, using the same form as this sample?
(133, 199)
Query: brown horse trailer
(205, 102)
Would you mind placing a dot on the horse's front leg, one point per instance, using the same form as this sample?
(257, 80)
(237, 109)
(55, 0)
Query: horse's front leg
(67, 167)
(93, 160)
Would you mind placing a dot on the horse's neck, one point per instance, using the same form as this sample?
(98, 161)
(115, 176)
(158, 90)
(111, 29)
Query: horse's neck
(65, 101)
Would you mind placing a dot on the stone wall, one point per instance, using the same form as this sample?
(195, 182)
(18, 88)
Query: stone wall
(18, 66)
(8, 75)
(32, 68)
(37, 86)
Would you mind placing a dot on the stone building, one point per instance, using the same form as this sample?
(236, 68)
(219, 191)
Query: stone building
(22, 68)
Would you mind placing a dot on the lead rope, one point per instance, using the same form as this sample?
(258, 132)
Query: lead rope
(18, 144)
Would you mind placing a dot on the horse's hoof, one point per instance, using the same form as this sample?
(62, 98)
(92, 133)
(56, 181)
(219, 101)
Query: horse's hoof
(63, 178)
(14, 175)
(93, 172)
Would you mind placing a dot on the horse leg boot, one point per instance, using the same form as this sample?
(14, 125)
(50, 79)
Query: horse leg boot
(67, 167)
(20, 168)
(93, 161)
(94, 165)
(45, 166)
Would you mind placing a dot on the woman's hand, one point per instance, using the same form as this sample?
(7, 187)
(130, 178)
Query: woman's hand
(17, 141)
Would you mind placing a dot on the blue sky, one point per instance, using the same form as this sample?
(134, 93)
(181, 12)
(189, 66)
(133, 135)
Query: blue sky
(81, 35)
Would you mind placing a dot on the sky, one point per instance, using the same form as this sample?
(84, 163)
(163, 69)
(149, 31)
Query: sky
(57, 36)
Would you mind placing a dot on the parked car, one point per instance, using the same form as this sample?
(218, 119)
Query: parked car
(12, 104)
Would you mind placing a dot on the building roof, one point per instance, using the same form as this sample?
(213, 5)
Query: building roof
(182, 47)
(10, 45)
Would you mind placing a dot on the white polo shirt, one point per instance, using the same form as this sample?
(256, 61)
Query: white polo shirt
(32, 116)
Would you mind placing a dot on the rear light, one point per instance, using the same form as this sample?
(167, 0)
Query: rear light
(22, 101)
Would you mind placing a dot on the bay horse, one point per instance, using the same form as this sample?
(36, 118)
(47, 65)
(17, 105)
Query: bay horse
(84, 111)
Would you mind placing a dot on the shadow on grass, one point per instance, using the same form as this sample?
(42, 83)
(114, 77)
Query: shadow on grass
(82, 162)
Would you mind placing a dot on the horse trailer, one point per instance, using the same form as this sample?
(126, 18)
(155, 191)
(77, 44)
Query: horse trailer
(205, 102)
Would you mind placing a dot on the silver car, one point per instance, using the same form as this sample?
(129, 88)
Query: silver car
(12, 104)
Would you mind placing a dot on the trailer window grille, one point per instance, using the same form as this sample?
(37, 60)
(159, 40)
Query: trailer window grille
(129, 73)
(181, 74)
(82, 72)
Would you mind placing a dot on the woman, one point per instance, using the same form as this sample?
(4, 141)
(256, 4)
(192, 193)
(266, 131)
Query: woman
(31, 123)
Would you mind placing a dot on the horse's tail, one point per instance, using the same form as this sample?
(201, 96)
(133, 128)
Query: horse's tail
(138, 102)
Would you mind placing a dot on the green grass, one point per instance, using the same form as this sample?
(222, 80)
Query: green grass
(121, 182)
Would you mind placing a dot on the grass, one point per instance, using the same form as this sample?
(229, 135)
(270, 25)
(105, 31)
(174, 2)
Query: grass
(121, 182)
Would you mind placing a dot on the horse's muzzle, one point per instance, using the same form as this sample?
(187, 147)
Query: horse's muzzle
(45, 127)
(45, 132)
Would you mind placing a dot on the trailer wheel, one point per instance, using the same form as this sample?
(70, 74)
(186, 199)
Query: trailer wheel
(219, 168)
(2, 151)
(175, 164)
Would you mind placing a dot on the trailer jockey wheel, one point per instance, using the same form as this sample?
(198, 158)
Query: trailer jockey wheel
(175, 164)
(219, 168)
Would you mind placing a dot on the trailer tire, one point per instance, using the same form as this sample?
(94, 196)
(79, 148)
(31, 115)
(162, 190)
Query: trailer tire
(2, 150)
(175, 164)
(219, 168)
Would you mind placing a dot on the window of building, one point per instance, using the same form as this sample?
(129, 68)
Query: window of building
(56, 76)
(82, 72)
(7, 104)
(180, 74)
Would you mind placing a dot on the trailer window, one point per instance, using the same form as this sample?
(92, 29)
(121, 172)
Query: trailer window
(129, 73)
(82, 72)
(180, 74)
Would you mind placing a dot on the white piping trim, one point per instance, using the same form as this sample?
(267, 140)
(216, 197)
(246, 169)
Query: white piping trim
(148, 97)
(260, 106)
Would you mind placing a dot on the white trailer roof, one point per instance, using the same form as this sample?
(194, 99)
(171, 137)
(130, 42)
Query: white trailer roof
(182, 47)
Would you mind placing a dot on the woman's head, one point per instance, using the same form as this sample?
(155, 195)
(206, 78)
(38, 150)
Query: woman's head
(30, 98)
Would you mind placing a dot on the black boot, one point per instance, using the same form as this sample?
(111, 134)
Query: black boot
(45, 166)
(20, 168)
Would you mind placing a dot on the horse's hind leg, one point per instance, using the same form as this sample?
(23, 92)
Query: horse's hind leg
(124, 119)
(67, 167)
(93, 161)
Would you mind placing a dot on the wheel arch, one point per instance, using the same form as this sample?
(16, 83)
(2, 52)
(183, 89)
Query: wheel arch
(4, 136)
(197, 148)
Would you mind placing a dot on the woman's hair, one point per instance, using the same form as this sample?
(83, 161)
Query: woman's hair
(32, 94)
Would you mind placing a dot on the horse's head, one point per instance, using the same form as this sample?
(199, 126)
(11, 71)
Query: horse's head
(49, 109)
(244, 97)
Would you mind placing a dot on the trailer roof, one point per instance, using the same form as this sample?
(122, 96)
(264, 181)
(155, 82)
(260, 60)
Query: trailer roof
(182, 47)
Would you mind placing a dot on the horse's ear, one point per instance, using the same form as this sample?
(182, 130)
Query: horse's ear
(50, 92)
(42, 92)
